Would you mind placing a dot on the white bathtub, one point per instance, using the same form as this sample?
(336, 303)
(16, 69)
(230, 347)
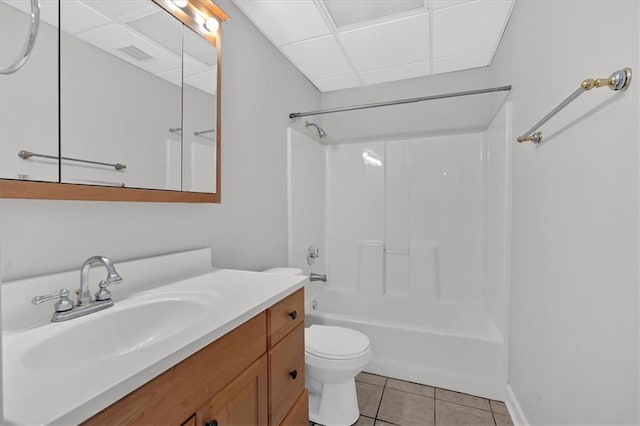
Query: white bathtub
(448, 345)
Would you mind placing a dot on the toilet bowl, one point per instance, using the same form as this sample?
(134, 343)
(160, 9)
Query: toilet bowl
(333, 358)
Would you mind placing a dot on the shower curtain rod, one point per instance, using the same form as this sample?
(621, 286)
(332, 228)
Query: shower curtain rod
(401, 101)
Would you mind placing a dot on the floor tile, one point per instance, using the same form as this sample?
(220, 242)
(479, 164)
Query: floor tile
(499, 407)
(463, 399)
(368, 398)
(381, 423)
(364, 421)
(503, 419)
(406, 409)
(411, 387)
(372, 379)
(450, 414)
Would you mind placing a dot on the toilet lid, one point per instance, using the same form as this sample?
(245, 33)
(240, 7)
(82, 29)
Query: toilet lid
(325, 341)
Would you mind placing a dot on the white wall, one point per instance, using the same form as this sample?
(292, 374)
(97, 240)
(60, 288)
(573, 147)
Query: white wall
(455, 115)
(248, 230)
(574, 298)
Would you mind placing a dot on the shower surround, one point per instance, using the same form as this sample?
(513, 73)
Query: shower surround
(416, 236)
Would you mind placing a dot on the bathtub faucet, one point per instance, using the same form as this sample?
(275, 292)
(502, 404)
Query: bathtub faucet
(317, 277)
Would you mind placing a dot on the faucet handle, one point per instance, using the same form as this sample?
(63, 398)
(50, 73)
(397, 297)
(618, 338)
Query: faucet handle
(103, 293)
(62, 305)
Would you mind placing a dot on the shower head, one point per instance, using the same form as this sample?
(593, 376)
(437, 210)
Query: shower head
(320, 130)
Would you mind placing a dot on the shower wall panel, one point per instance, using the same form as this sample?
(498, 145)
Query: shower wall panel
(404, 217)
(355, 216)
(445, 210)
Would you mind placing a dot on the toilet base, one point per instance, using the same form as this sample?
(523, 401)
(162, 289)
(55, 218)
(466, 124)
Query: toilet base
(335, 405)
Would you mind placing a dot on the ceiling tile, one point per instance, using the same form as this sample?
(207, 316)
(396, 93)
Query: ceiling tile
(318, 58)
(462, 62)
(352, 12)
(285, 21)
(121, 9)
(469, 27)
(401, 72)
(78, 17)
(199, 48)
(205, 82)
(391, 43)
(337, 83)
(192, 66)
(440, 4)
(115, 36)
(173, 76)
(162, 28)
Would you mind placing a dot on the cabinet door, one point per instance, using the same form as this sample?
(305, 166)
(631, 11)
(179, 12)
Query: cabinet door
(286, 381)
(243, 401)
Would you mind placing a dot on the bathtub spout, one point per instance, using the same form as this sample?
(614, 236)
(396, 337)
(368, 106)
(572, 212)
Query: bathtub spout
(317, 277)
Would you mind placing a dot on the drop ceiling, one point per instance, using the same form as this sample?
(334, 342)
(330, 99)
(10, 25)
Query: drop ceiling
(340, 44)
(138, 32)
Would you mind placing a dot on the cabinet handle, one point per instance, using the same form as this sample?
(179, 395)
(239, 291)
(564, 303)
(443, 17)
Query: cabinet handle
(212, 423)
(293, 374)
(293, 314)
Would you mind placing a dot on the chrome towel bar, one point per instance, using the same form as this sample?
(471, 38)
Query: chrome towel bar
(25, 155)
(178, 131)
(619, 80)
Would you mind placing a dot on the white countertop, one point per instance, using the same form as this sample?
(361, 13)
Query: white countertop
(72, 395)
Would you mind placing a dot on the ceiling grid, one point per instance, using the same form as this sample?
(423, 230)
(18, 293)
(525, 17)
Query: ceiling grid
(340, 44)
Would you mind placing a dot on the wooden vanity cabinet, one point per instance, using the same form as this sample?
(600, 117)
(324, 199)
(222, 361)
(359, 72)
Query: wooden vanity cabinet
(254, 375)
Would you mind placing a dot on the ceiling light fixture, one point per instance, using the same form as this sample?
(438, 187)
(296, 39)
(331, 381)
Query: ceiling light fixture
(181, 3)
(211, 25)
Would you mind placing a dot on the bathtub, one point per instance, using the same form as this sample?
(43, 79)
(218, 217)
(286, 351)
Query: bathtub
(448, 345)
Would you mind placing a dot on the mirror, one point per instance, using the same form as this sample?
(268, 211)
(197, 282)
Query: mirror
(199, 97)
(138, 98)
(120, 74)
(29, 97)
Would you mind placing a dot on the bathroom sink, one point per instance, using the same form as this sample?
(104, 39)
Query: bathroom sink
(131, 326)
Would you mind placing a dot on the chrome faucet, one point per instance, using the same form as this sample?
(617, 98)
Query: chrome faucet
(84, 297)
(65, 309)
(317, 277)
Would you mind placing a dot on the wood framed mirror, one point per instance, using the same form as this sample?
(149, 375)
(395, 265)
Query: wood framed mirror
(126, 109)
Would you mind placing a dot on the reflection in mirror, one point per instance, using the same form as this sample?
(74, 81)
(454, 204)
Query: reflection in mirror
(29, 96)
(199, 114)
(120, 70)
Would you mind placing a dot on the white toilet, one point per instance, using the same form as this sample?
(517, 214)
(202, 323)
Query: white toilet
(333, 358)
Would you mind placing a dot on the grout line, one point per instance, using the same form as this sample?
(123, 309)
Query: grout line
(435, 413)
(464, 405)
(414, 393)
(493, 414)
(380, 402)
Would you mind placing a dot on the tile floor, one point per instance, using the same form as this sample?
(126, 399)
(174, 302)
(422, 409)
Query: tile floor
(386, 402)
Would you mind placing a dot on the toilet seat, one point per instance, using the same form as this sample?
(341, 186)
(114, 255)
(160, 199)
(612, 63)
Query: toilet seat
(336, 343)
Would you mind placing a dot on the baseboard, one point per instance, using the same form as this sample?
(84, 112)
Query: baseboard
(515, 409)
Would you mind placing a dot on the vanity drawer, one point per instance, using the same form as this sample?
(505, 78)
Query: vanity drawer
(284, 316)
(299, 414)
(286, 375)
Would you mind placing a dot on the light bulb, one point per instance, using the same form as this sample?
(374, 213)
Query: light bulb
(181, 3)
(211, 25)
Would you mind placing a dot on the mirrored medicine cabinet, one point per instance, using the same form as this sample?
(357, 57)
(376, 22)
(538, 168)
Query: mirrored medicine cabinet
(118, 100)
